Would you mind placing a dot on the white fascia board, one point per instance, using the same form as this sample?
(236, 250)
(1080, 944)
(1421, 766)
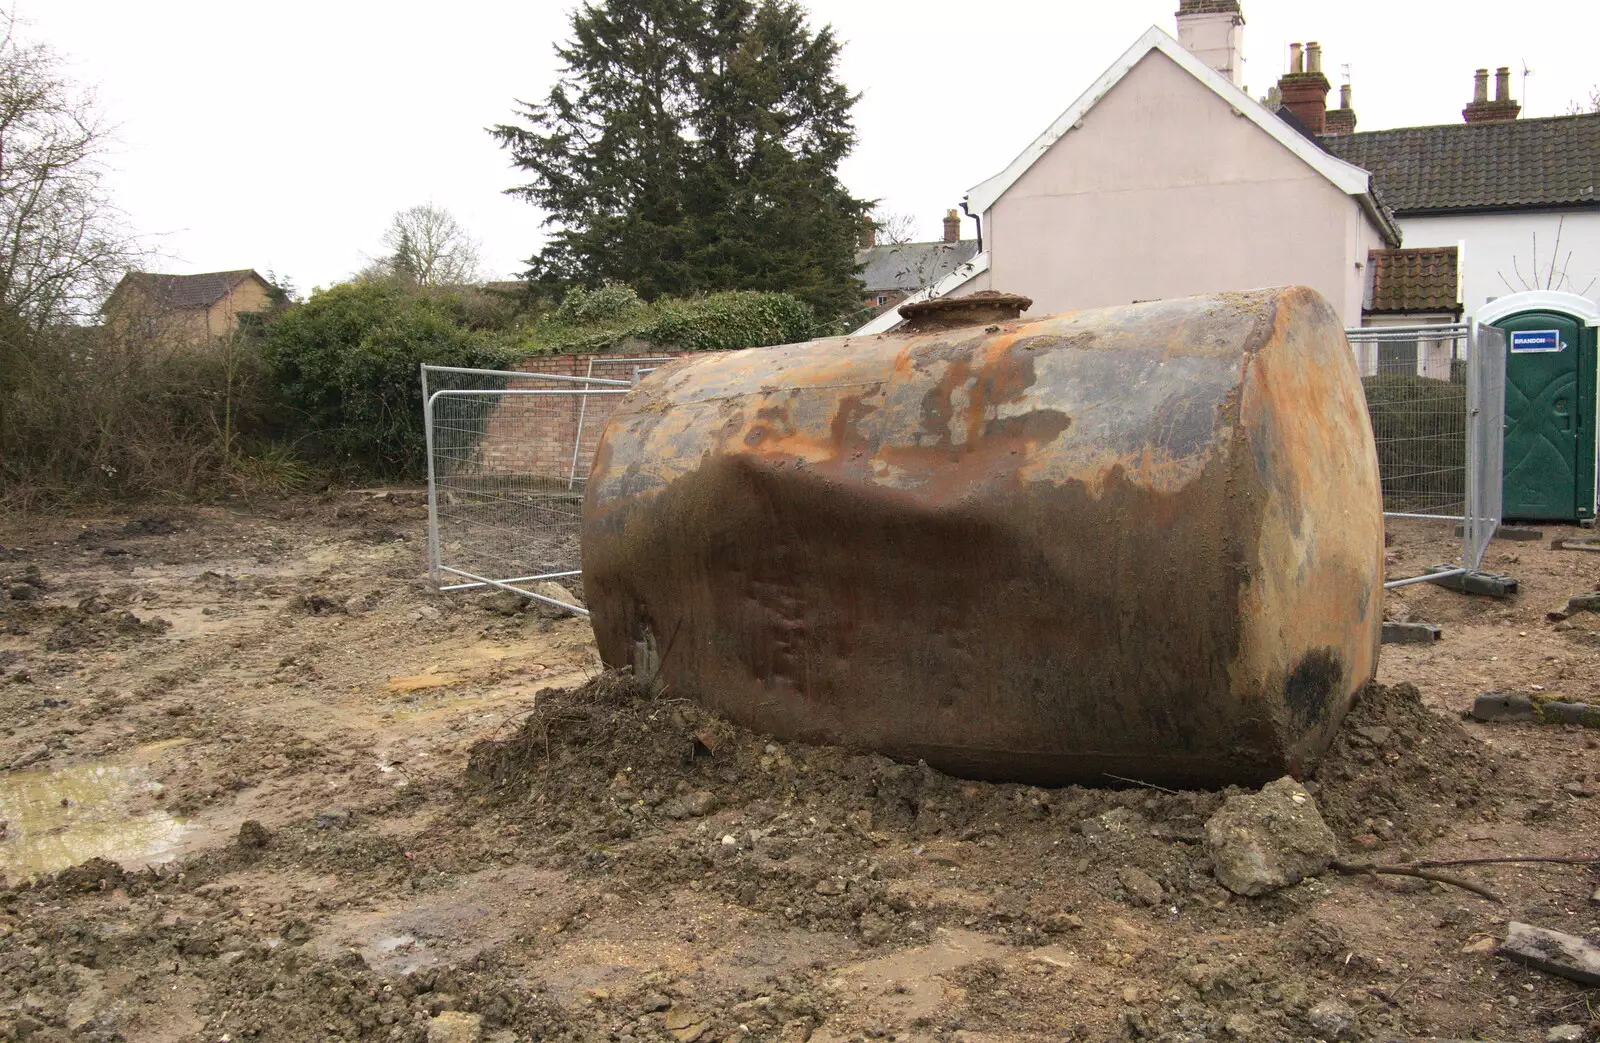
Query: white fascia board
(890, 318)
(1540, 300)
(1391, 231)
(1347, 177)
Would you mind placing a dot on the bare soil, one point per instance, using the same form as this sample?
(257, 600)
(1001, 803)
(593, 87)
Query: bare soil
(261, 782)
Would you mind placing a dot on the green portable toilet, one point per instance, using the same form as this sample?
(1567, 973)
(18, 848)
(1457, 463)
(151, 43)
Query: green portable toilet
(1551, 404)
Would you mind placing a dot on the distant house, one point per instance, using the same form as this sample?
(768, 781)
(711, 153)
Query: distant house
(894, 271)
(186, 308)
(1166, 179)
(1414, 286)
(1521, 198)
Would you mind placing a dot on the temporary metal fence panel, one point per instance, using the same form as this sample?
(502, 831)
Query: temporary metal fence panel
(1436, 396)
(610, 368)
(508, 455)
(1486, 394)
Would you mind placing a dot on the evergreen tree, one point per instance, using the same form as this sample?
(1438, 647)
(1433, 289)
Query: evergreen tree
(693, 146)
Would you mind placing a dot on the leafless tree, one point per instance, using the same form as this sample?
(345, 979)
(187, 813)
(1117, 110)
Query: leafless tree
(895, 229)
(427, 246)
(1591, 104)
(1550, 278)
(62, 243)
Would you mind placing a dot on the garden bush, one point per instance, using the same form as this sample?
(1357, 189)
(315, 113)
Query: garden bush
(348, 362)
(88, 415)
(718, 322)
(1420, 425)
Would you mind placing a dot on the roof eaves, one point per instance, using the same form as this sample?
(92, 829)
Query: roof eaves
(890, 317)
(1382, 216)
(1347, 177)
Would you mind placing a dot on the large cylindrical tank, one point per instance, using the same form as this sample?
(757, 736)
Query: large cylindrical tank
(1142, 542)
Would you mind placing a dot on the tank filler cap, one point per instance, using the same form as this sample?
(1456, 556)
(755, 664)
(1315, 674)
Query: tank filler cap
(974, 309)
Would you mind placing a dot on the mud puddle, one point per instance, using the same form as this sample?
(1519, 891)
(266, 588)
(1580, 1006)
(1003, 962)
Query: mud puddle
(59, 817)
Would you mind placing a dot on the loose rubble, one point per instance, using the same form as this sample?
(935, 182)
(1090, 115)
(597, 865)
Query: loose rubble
(1261, 842)
(518, 849)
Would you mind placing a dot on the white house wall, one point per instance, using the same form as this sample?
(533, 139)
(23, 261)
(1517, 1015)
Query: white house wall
(1498, 244)
(1164, 190)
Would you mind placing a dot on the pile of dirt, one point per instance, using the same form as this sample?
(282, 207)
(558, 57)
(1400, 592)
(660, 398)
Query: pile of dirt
(615, 781)
(96, 623)
(1399, 773)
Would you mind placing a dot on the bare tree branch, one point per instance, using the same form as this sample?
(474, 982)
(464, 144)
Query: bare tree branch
(427, 246)
(63, 244)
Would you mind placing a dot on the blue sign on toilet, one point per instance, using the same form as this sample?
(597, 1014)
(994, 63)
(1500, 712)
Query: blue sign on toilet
(1536, 340)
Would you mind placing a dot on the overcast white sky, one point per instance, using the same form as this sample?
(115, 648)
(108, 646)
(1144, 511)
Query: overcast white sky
(284, 135)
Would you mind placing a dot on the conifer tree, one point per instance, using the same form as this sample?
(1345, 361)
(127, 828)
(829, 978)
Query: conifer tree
(693, 146)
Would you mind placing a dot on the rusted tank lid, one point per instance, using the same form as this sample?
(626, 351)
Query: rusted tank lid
(975, 309)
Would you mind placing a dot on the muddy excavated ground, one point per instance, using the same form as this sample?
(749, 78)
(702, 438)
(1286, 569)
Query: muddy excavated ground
(259, 782)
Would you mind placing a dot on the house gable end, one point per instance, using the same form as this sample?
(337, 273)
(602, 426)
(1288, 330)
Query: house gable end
(1350, 179)
(1160, 131)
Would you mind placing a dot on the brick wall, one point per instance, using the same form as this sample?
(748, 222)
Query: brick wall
(533, 435)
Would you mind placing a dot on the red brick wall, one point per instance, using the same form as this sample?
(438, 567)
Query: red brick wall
(533, 435)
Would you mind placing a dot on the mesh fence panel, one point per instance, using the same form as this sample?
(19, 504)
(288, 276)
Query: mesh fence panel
(1486, 441)
(508, 455)
(1436, 396)
(1416, 383)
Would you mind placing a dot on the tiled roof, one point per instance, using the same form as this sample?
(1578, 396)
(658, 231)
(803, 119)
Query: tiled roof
(911, 266)
(1553, 161)
(1414, 280)
(185, 292)
(1208, 7)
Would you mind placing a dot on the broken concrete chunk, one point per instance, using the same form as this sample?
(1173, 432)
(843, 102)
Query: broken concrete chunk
(696, 804)
(333, 818)
(1260, 842)
(1333, 1019)
(455, 1026)
(1544, 708)
(686, 1026)
(1489, 584)
(1565, 955)
(1142, 888)
(1589, 601)
(1411, 633)
(1118, 822)
(555, 592)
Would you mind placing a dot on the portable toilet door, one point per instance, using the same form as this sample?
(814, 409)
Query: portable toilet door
(1551, 404)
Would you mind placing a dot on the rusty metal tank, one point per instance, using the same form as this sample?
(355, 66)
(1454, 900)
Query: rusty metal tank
(1139, 542)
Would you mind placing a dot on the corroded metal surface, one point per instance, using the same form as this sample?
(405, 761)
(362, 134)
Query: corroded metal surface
(1144, 541)
(973, 309)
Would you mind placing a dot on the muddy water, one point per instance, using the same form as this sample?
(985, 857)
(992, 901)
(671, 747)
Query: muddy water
(60, 817)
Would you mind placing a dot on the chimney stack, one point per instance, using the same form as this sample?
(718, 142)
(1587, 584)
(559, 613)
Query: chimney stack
(1213, 31)
(1304, 89)
(952, 226)
(1482, 110)
(869, 233)
(1343, 119)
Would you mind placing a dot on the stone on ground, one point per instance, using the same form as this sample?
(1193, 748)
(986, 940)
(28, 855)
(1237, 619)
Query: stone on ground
(454, 1026)
(1260, 842)
(1333, 1019)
